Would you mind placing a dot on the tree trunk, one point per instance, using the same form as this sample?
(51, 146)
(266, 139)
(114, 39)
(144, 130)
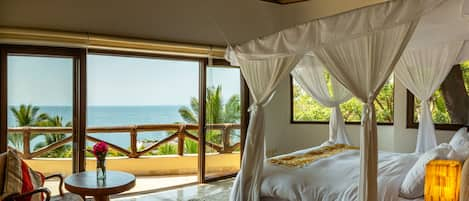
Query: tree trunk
(455, 95)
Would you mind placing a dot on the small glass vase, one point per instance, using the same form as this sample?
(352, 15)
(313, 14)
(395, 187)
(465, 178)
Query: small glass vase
(101, 168)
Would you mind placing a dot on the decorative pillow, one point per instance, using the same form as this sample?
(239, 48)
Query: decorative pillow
(20, 178)
(413, 185)
(460, 143)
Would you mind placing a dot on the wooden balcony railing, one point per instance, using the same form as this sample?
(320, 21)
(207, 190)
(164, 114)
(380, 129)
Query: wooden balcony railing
(180, 132)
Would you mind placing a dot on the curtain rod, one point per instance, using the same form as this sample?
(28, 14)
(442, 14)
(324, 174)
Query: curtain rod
(23, 36)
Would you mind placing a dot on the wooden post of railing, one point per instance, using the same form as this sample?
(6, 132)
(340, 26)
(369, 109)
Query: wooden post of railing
(226, 138)
(26, 143)
(133, 142)
(181, 137)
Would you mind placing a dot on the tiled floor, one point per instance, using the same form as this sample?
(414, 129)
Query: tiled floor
(216, 191)
(143, 184)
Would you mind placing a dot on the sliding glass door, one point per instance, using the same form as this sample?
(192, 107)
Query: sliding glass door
(146, 109)
(223, 121)
(40, 101)
(179, 115)
(39, 106)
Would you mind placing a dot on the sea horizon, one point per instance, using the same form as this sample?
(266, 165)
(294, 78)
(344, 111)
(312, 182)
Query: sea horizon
(113, 115)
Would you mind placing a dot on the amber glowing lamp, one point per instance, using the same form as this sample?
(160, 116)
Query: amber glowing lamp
(442, 180)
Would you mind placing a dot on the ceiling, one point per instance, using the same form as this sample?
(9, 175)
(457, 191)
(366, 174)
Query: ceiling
(284, 1)
(206, 22)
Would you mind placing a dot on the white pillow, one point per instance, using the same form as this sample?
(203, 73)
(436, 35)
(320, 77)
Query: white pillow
(413, 185)
(460, 143)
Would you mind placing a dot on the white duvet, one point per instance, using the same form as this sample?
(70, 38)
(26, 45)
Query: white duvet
(334, 178)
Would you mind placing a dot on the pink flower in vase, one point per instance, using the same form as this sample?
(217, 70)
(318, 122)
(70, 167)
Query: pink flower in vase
(100, 149)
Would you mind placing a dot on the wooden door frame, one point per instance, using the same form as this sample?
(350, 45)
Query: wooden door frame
(244, 90)
(79, 56)
(79, 94)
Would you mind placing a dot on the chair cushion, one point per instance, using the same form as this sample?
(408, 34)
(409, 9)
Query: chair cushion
(20, 178)
(3, 158)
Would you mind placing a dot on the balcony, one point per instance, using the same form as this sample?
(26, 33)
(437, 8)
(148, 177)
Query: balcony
(170, 169)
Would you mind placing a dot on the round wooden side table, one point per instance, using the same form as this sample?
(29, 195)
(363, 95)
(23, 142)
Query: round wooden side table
(86, 184)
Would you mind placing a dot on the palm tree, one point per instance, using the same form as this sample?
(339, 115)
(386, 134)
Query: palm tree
(60, 152)
(26, 115)
(217, 112)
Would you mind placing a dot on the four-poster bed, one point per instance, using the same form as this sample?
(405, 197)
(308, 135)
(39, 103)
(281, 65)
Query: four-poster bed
(419, 40)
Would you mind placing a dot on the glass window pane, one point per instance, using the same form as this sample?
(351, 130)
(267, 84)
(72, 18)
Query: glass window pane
(40, 100)
(150, 99)
(306, 108)
(223, 116)
(450, 103)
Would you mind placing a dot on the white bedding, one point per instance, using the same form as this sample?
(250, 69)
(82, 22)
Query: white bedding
(334, 178)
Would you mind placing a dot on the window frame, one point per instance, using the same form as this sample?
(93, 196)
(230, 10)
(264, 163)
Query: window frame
(411, 115)
(293, 121)
(244, 121)
(203, 65)
(79, 94)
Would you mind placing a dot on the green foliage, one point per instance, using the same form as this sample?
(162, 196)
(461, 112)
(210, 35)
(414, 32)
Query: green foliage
(384, 102)
(111, 153)
(26, 115)
(114, 153)
(305, 108)
(190, 147)
(167, 149)
(352, 110)
(51, 138)
(190, 116)
(440, 114)
(216, 112)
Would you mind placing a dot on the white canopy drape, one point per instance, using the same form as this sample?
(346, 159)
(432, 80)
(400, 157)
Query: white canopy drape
(302, 39)
(359, 48)
(364, 72)
(438, 43)
(262, 77)
(309, 73)
(422, 72)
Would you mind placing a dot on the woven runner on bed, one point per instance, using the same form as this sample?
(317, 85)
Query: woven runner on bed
(311, 156)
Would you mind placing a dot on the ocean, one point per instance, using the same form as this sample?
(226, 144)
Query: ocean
(115, 116)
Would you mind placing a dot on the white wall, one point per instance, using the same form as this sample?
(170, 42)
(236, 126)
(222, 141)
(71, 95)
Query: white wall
(283, 137)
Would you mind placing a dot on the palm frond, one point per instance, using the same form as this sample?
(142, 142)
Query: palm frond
(187, 115)
(232, 109)
(195, 105)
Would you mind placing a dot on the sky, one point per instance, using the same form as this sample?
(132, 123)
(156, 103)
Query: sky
(112, 81)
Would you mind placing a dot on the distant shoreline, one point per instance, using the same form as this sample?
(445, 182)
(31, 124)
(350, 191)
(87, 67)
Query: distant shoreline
(115, 116)
(104, 105)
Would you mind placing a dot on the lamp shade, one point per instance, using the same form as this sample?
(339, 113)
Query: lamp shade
(442, 180)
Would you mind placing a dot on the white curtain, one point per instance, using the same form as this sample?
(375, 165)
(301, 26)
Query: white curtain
(363, 65)
(262, 77)
(303, 38)
(422, 71)
(310, 75)
(360, 48)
